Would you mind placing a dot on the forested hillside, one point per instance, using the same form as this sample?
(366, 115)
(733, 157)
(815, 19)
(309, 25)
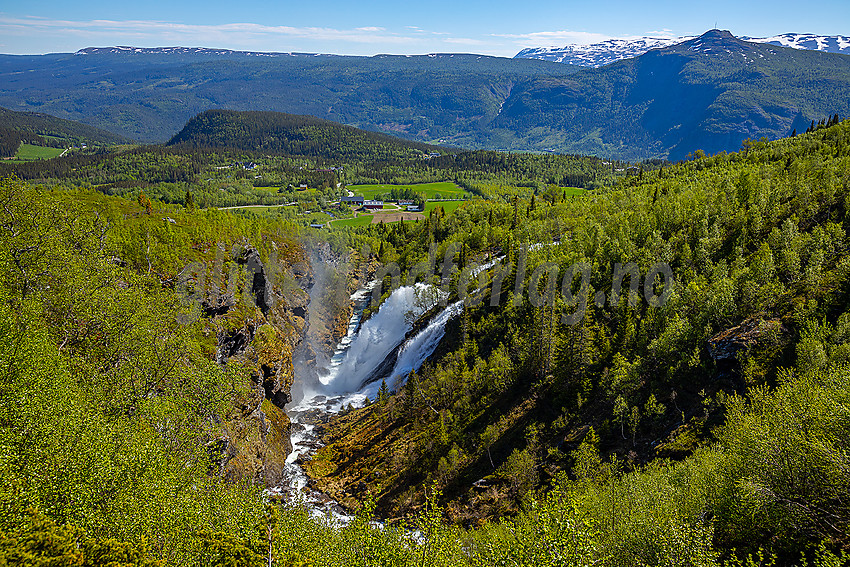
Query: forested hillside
(661, 423)
(293, 135)
(147, 353)
(227, 158)
(51, 128)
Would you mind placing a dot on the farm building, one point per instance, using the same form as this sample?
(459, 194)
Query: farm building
(373, 204)
(356, 200)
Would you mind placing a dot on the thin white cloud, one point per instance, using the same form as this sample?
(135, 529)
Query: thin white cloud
(242, 32)
(22, 33)
(662, 33)
(559, 37)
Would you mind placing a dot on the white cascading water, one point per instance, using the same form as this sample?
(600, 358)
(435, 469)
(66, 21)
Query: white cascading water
(378, 337)
(349, 378)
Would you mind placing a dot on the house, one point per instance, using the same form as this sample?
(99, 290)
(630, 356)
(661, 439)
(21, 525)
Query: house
(354, 200)
(413, 208)
(373, 204)
(316, 225)
(302, 187)
(406, 202)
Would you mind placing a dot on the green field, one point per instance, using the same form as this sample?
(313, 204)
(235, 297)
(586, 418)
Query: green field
(448, 206)
(440, 190)
(28, 153)
(359, 221)
(574, 191)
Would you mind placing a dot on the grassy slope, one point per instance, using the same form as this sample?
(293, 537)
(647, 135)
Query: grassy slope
(28, 152)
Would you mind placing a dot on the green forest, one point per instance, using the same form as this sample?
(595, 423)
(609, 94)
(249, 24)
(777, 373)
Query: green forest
(710, 429)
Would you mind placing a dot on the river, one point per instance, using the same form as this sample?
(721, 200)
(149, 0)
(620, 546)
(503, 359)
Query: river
(354, 372)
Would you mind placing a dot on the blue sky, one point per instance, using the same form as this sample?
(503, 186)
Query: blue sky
(366, 28)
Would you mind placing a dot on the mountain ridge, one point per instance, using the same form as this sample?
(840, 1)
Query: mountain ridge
(611, 50)
(710, 93)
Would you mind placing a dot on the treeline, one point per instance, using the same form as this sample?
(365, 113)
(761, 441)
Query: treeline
(11, 140)
(822, 123)
(220, 177)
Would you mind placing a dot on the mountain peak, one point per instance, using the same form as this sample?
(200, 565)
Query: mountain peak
(717, 34)
(713, 41)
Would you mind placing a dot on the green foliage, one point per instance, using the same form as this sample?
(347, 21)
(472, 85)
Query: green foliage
(109, 397)
(552, 532)
(289, 134)
(40, 542)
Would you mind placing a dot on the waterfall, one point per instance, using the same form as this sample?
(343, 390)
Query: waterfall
(378, 337)
(423, 344)
(350, 374)
(412, 355)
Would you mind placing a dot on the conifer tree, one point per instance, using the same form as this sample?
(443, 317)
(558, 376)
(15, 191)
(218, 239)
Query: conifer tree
(383, 392)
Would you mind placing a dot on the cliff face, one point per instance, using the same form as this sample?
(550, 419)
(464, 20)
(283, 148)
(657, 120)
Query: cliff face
(265, 314)
(256, 310)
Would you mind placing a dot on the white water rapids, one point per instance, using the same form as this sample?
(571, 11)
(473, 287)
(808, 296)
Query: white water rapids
(350, 375)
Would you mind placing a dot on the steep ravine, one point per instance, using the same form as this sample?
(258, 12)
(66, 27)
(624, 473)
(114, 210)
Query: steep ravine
(397, 338)
(262, 320)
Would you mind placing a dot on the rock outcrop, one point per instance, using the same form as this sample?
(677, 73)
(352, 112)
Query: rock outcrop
(256, 311)
(725, 345)
(263, 314)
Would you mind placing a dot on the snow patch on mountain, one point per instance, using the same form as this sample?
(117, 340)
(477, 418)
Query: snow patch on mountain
(828, 43)
(609, 51)
(599, 54)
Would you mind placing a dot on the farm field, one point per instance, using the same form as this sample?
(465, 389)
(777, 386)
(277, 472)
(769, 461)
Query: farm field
(28, 152)
(440, 190)
(357, 221)
(263, 209)
(448, 206)
(396, 216)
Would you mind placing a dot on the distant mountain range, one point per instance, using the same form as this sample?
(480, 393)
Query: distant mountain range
(708, 93)
(129, 50)
(149, 94)
(609, 51)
